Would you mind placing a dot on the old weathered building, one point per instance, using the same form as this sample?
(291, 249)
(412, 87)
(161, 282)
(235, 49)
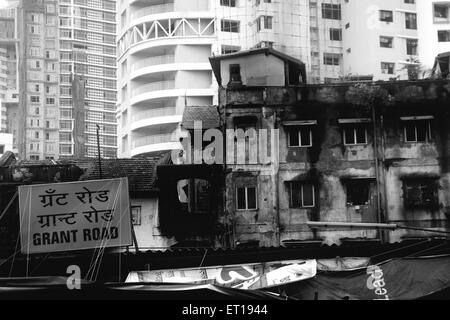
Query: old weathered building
(373, 153)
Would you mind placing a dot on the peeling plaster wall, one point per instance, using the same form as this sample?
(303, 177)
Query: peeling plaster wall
(331, 163)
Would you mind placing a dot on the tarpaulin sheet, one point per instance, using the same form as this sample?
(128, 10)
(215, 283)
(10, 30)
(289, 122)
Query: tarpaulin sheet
(397, 279)
(246, 276)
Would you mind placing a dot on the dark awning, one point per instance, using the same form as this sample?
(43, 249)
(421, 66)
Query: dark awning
(397, 279)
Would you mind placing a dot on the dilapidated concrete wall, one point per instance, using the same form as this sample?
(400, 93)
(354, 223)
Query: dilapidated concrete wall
(329, 164)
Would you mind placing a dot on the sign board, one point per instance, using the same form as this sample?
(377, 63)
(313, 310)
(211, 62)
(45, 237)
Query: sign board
(245, 276)
(74, 216)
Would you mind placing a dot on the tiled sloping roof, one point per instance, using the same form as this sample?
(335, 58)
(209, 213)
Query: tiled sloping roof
(141, 172)
(208, 115)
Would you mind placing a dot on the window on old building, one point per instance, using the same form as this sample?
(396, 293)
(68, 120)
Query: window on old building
(411, 20)
(420, 193)
(411, 46)
(417, 130)
(331, 11)
(358, 192)
(332, 59)
(264, 23)
(387, 67)
(386, 16)
(441, 12)
(230, 49)
(300, 136)
(335, 34)
(246, 198)
(235, 73)
(355, 134)
(228, 3)
(444, 35)
(302, 194)
(229, 26)
(386, 42)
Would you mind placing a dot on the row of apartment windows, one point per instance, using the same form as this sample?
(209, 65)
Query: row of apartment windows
(411, 44)
(417, 193)
(86, 13)
(414, 131)
(333, 12)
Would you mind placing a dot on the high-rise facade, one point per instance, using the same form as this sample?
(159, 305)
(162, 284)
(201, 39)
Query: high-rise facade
(434, 30)
(88, 94)
(163, 49)
(380, 38)
(68, 78)
(8, 77)
(38, 112)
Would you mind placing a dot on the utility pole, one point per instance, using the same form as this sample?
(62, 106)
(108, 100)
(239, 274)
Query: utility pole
(98, 153)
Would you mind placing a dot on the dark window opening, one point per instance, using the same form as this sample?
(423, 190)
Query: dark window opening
(386, 42)
(228, 3)
(444, 35)
(358, 192)
(235, 73)
(302, 195)
(355, 134)
(335, 34)
(331, 11)
(411, 21)
(193, 195)
(230, 26)
(300, 136)
(386, 16)
(411, 46)
(420, 193)
(246, 198)
(417, 131)
(441, 12)
(387, 67)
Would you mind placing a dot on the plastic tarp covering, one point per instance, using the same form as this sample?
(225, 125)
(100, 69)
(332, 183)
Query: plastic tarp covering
(397, 279)
(245, 276)
(43, 288)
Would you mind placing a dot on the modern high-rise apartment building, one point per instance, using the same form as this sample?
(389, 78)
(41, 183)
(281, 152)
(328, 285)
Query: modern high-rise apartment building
(163, 49)
(88, 94)
(434, 30)
(8, 77)
(68, 78)
(380, 38)
(38, 114)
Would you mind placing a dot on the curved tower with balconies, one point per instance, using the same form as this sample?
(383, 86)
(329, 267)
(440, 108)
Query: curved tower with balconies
(164, 46)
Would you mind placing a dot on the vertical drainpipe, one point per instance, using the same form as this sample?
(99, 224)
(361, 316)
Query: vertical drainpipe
(383, 157)
(377, 174)
(277, 179)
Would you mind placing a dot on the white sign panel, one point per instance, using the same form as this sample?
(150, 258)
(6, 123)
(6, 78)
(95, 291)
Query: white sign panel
(74, 216)
(244, 276)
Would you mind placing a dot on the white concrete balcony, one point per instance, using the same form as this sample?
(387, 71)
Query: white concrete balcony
(157, 142)
(154, 86)
(155, 117)
(154, 113)
(153, 61)
(155, 9)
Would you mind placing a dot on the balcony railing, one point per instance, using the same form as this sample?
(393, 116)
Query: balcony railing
(155, 86)
(153, 113)
(153, 61)
(153, 139)
(159, 8)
